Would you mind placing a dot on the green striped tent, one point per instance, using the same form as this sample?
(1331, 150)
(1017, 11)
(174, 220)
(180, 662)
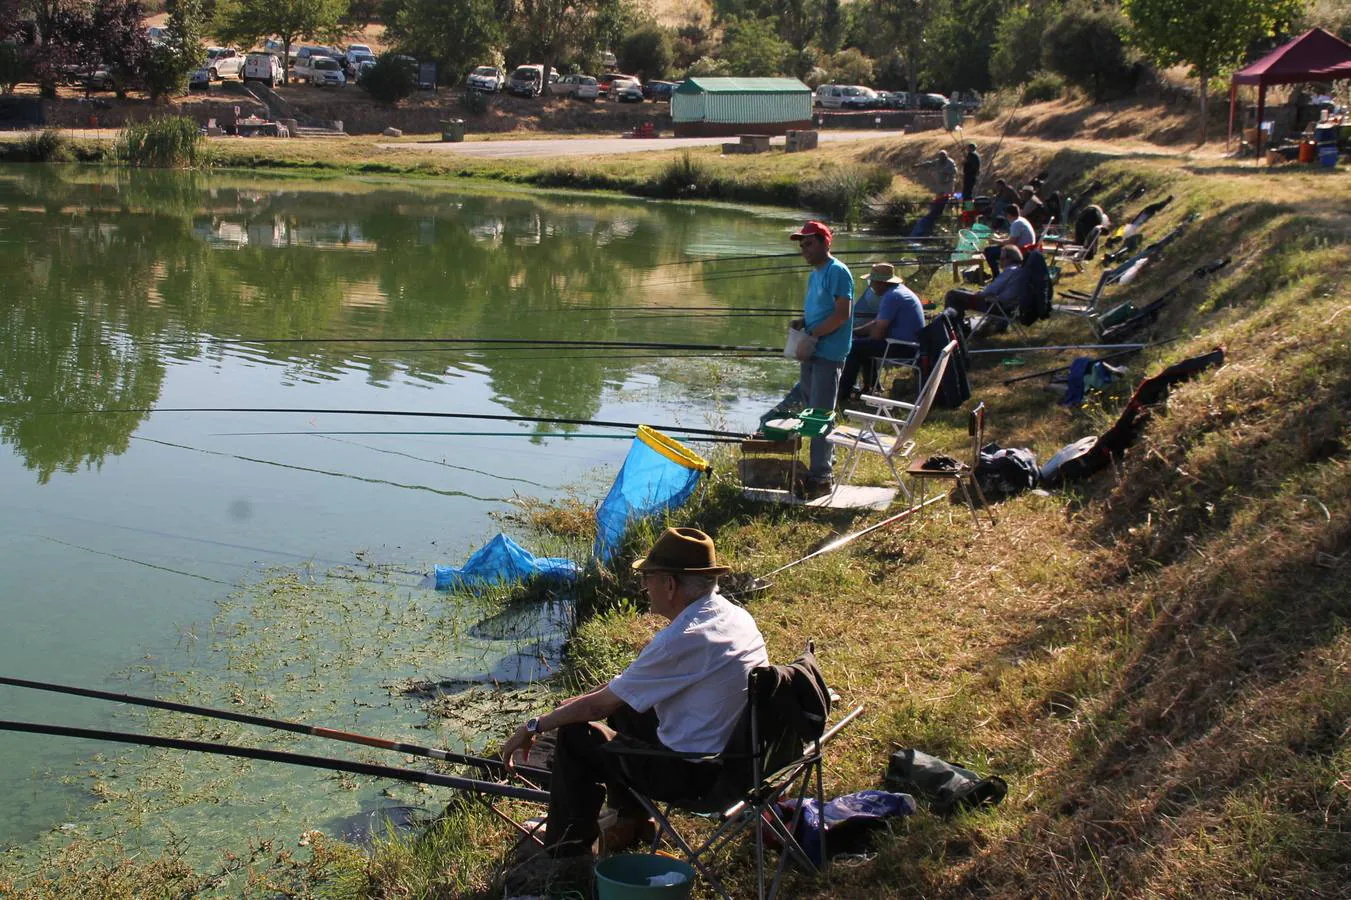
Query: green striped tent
(727, 106)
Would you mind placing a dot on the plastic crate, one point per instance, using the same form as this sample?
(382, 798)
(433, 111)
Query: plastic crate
(816, 422)
(782, 429)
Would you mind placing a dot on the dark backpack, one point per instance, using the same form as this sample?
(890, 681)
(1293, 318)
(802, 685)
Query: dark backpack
(945, 787)
(1035, 302)
(954, 389)
(1005, 472)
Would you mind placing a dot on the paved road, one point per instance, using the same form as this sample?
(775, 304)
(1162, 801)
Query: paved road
(600, 146)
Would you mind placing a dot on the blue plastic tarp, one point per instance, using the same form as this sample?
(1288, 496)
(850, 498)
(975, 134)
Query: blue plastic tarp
(502, 560)
(658, 474)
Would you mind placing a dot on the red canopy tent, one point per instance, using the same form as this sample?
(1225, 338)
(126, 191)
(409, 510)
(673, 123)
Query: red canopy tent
(1315, 55)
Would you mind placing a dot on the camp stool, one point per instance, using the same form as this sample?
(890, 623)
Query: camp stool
(963, 474)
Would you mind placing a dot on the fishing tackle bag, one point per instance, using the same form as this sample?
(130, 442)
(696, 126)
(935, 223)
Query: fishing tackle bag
(947, 788)
(1004, 472)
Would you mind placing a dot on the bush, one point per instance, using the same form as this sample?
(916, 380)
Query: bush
(1085, 45)
(476, 102)
(14, 67)
(685, 177)
(168, 142)
(165, 73)
(43, 146)
(389, 80)
(843, 193)
(850, 67)
(1043, 86)
(647, 52)
(709, 67)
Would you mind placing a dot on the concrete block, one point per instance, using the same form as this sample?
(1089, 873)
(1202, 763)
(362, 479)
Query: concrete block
(391, 131)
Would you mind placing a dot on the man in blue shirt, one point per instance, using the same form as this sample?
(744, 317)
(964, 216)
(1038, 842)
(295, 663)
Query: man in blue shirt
(827, 308)
(900, 317)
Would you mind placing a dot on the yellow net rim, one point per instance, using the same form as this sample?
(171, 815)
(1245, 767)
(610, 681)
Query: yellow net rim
(672, 449)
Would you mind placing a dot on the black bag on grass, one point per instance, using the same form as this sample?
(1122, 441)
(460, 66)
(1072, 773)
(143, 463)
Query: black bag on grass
(945, 787)
(1004, 472)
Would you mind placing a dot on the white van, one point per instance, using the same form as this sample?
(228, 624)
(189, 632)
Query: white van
(829, 96)
(262, 67)
(526, 81)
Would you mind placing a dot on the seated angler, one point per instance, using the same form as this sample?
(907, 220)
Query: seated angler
(684, 692)
(900, 317)
(1004, 291)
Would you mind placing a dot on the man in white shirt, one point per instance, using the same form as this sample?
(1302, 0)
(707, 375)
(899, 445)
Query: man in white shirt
(685, 692)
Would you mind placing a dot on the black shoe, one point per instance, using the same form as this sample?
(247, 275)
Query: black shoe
(815, 488)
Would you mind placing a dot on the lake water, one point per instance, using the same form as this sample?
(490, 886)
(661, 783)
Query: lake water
(191, 554)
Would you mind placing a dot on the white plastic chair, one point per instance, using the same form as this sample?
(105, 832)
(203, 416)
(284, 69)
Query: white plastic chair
(884, 432)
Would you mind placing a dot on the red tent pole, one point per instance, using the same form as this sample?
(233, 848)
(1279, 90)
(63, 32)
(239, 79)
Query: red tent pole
(1261, 105)
(1233, 95)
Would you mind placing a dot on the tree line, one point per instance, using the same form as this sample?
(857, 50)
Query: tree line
(1102, 47)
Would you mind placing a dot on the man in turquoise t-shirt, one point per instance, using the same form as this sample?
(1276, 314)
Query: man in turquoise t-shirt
(827, 308)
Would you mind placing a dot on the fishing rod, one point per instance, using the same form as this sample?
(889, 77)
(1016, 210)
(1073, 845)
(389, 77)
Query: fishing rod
(762, 582)
(333, 734)
(296, 759)
(553, 420)
(517, 343)
(692, 439)
(710, 259)
(1058, 349)
(1125, 352)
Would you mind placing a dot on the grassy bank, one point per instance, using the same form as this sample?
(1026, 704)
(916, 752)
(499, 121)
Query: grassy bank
(1156, 659)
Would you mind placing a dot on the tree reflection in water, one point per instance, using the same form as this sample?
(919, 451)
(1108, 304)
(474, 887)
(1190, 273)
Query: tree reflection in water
(103, 269)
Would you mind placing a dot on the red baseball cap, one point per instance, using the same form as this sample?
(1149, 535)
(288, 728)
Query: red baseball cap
(813, 227)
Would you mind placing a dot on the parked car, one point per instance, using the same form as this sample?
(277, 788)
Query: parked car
(604, 81)
(856, 96)
(356, 53)
(157, 34)
(354, 59)
(363, 67)
(325, 71)
(224, 62)
(303, 64)
(829, 96)
(658, 90)
(98, 80)
(488, 79)
(527, 81)
(578, 87)
(627, 91)
(930, 101)
(263, 67)
(199, 79)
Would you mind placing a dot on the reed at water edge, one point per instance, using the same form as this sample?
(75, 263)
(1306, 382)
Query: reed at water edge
(166, 142)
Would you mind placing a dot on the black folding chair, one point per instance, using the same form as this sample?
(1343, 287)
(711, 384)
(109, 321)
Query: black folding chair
(765, 759)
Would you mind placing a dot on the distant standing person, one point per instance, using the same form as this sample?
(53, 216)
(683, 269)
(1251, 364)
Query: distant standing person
(970, 172)
(827, 308)
(945, 172)
(900, 317)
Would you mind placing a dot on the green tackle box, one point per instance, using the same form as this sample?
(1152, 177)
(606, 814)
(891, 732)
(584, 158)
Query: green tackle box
(816, 422)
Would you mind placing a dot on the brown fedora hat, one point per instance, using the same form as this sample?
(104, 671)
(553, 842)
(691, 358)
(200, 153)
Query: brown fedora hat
(682, 550)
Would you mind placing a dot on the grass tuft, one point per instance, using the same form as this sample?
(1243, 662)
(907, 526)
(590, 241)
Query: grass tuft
(169, 142)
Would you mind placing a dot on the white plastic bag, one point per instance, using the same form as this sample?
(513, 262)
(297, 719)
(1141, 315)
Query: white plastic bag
(800, 345)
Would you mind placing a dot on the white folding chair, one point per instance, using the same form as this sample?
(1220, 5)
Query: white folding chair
(889, 430)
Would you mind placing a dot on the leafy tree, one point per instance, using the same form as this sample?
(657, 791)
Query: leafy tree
(709, 67)
(752, 48)
(390, 80)
(692, 42)
(14, 67)
(550, 30)
(851, 67)
(458, 36)
(1208, 35)
(647, 52)
(1086, 44)
(831, 36)
(1017, 51)
(168, 63)
(961, 40)
(246, 22)
(907, 26)
(119, 40)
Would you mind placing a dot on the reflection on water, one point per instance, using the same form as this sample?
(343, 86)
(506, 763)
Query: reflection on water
(130, 291)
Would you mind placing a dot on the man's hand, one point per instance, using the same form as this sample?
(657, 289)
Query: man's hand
(521, 740)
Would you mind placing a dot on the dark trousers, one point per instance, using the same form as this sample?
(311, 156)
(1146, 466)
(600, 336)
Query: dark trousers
(863, 355)
(584, 773)
(969, 185)
(992, 257)
(967, 300)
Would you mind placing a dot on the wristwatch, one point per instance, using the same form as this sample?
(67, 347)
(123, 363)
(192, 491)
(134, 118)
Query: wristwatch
(532, 725)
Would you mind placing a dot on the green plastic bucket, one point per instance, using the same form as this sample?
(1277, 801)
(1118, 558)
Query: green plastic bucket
(628, 877)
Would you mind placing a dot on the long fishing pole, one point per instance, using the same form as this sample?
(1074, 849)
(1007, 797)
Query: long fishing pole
(1058, 349)
(841, 541)
(1127, 351)
(491, 342)
(693, 439)
(333, 734)
(296, 759)
(417, 414)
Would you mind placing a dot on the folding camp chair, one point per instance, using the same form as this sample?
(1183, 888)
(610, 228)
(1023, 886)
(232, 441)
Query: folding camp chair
(963, 474)
(882, 432)
(899, 354)
(765, 760)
